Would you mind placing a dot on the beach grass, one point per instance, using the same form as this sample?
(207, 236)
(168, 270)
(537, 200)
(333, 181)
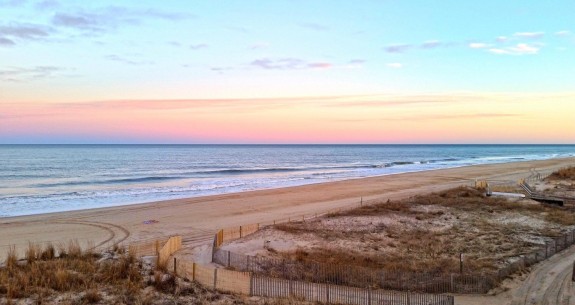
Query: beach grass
(567, 173)
(427, 233)
(69, 275)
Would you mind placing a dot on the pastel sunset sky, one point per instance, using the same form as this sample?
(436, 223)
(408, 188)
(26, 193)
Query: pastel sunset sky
(279, 71)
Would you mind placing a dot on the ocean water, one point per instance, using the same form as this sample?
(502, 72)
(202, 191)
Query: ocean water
(49, 178)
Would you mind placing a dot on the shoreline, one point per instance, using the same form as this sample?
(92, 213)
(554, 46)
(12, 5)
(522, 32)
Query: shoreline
(199, 196)
(199, 217)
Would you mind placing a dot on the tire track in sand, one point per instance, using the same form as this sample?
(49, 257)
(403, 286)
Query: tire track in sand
(112, 234)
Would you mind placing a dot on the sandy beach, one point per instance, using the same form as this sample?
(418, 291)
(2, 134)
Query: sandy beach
(197, 219)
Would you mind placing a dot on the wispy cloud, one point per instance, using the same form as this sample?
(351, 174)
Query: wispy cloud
(395, 65)
(288, 64)
(530, 35)
(129, 61)
(519, 49)
(314, 26)
(433, 117)
(464, 116)
(501, 39)
(199, 46)
(18, 74)
(80, 21)
(431, 44)
(6, 42)
(355, 64)
(12, 3)
(24, 31)
(397, 48)
(479, 45)
(259, 46)
(47, 5)
(111, 17)
(563, 33)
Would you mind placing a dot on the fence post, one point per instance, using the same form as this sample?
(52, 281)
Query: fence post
(193, 271)
(228, 258)
(215, 277)
(251, 284)
(175, 269)
(369, 295)
(327, 293)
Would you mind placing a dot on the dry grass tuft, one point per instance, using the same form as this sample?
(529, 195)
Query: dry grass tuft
(560, 216)
(92, 296)
(563, 174)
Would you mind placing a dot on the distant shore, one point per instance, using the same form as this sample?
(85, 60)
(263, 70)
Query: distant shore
(199, 217)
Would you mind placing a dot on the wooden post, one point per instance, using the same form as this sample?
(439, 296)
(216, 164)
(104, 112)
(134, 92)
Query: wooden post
(460, 262)
(193, 271)
(573, 274)
(175, 269)
(369, 296)
(251, 283)
(228, 258)
(215, 277)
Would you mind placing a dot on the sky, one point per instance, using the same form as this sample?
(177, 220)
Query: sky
(322, 71)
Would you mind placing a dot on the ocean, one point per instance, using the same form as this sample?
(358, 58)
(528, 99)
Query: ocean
(50, 178)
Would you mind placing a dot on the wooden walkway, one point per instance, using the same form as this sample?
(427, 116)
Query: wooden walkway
(534, 195)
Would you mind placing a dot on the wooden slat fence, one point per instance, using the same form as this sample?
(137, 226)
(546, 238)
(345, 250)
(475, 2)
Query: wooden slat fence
(172, 245)
(356, 276)
(256, 285)
(149, 247)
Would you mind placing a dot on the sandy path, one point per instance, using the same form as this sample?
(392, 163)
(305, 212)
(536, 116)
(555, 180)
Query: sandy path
(548, 283)
(197, 219)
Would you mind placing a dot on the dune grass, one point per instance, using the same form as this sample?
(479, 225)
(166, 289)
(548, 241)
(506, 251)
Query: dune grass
(563, 174)
(68, 275)
(440, 226)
